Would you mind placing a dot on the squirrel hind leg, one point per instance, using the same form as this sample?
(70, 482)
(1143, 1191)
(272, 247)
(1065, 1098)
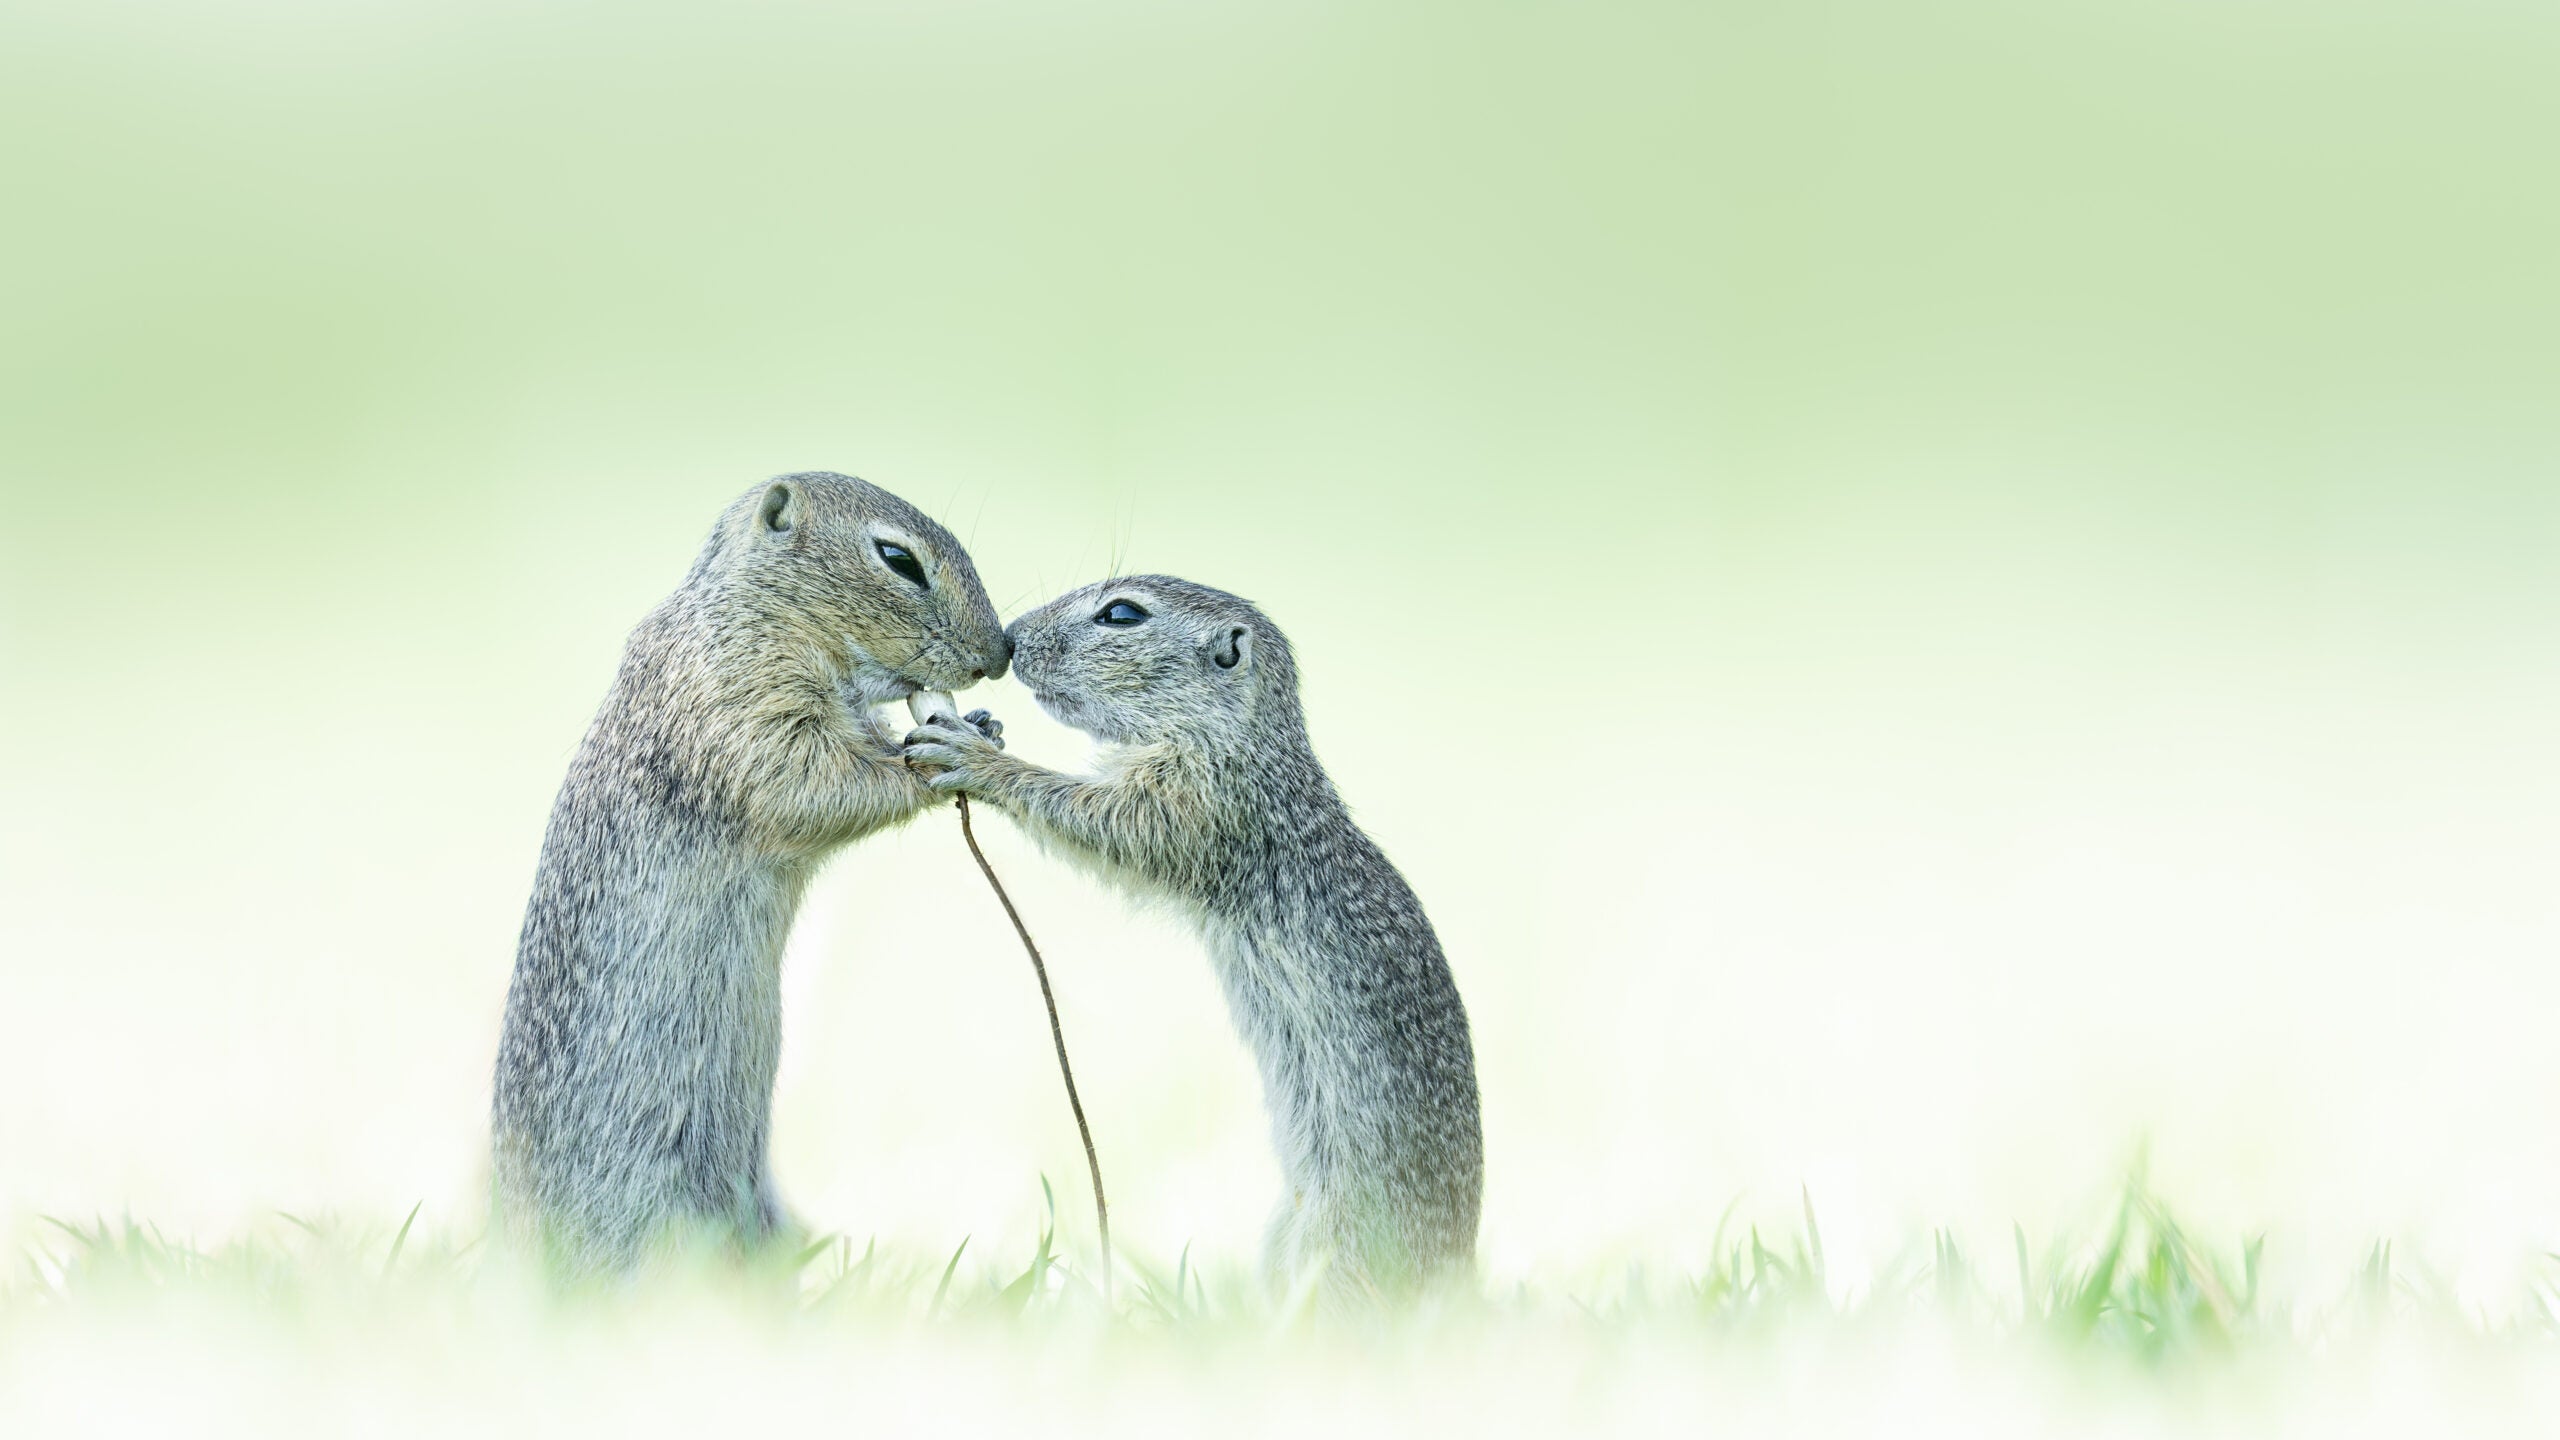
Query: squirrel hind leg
(1284, 1244)
(772, 1217)
(1307, 1247)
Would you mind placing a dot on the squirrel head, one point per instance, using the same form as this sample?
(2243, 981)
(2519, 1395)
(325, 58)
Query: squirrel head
(1148, 657)
(860, 579)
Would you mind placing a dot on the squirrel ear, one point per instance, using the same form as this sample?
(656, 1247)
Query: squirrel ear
(781, 508)
(1232, 648)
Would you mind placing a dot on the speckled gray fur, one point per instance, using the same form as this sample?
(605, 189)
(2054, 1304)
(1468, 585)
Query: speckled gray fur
(1209, 796)
(737, 749)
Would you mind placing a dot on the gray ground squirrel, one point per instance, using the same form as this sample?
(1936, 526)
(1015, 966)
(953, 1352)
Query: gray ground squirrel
(737, 749)
(1210, 797)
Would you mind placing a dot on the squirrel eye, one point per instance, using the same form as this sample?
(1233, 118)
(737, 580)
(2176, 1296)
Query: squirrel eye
(1120, 612)
(897, 558)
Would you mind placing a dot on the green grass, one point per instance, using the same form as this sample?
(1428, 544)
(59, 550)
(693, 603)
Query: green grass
(310, 1324)
(2136, 1286)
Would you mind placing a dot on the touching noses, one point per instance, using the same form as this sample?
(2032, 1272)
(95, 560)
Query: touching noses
(1004, 657)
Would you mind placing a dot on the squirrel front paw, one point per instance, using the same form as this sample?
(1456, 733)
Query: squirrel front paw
(955, 755)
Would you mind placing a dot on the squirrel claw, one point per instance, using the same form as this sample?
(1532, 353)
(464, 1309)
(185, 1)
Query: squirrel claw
(987, 725)
(979, 728)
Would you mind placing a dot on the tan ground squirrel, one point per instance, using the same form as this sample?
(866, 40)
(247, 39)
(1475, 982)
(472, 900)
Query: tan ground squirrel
(737, 749)
(1209, 796)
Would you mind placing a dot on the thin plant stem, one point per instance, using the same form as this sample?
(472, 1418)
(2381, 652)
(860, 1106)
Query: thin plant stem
(1066, 1072)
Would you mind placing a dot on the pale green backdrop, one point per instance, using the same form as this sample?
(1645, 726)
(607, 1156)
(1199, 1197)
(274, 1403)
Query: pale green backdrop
(1924, 590)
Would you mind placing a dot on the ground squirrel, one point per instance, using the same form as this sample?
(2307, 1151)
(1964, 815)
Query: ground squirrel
(737, 749)
(1210, 797)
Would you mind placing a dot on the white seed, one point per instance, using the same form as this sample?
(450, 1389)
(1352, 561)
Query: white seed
(924, 705)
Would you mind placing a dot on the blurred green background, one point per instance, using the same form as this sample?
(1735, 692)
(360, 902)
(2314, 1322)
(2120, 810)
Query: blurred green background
(1922, 589)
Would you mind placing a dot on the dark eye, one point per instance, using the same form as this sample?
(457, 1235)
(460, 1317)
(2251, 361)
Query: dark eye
(1120, 612)
(897, 558)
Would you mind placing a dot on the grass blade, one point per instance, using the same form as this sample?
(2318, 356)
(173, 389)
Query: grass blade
(401, 1239)
(944, 1288)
